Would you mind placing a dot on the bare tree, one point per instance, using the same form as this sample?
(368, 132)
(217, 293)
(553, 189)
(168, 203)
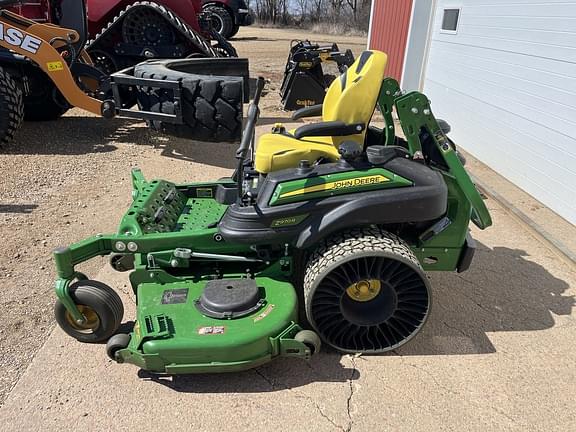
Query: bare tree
(342, 15)
(302, 9)
(316, 12)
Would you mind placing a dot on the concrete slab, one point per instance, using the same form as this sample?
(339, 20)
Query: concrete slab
(497, 354)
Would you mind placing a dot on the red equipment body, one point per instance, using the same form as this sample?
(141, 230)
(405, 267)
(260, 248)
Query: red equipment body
(101, 12)
(38, 11)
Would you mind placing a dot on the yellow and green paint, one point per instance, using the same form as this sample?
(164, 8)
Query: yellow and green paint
(336, 184)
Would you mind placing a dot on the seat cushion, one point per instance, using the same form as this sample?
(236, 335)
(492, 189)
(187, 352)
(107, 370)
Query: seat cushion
(276, 151)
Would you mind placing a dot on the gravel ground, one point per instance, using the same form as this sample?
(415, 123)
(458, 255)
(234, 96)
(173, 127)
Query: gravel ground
(66, 180)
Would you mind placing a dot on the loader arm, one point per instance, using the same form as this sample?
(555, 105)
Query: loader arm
(39, 43)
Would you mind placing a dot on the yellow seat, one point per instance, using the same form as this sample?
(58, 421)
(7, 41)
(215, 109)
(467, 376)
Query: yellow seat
(351, 99)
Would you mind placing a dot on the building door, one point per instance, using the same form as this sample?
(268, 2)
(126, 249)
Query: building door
(504, 75)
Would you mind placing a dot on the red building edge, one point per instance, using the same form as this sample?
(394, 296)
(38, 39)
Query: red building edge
(389, 31)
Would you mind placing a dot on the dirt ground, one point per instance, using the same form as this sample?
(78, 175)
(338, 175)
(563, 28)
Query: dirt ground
(66, 180)
(497, 353)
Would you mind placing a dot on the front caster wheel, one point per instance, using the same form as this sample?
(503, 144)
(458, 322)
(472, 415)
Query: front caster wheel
(310, 339)
(101, 307)
(122, 262)
(116, 343)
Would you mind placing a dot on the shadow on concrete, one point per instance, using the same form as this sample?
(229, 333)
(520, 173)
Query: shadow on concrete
(504, 291)
(281, 374)
(17, 208)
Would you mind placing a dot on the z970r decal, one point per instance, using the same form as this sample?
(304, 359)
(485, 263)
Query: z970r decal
(18, 38)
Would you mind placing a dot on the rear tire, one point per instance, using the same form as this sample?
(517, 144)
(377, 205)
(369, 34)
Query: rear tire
(234, 31)
(11, 107)
(223, 22)
(365, 291)
(211, 106)
(43, 110)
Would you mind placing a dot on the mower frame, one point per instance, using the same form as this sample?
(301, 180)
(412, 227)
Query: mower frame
(446, 246)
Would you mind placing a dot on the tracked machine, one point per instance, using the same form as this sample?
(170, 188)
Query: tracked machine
(50, 63)
(323, 234)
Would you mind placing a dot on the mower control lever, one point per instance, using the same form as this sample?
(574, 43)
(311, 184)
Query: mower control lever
(253, 114)
(350, 150)
(248, 135)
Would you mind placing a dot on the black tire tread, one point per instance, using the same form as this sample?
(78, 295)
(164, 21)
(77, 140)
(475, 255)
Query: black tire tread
(11, 107)
(345, 245)
(227, 29)
(211, 106)
(196, 41)
(103, 299)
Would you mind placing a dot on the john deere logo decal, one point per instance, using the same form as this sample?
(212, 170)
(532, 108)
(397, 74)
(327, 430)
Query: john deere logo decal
(339, 185)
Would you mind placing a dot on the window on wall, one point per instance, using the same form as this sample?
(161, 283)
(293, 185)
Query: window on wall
(450, 20)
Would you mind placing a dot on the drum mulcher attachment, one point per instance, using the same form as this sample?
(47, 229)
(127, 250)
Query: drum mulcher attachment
(337, 216)
(305, 82)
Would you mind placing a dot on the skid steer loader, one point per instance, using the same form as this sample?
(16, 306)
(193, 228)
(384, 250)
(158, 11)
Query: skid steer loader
(45, 70)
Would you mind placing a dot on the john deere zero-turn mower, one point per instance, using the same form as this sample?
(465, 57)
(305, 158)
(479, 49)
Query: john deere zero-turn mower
(45, 69)
(337, 219)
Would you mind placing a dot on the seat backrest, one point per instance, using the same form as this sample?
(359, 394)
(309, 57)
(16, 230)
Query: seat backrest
(352, 97)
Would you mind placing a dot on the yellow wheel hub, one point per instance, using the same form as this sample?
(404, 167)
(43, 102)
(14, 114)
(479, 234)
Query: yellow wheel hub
(91, 323)
(364, 290)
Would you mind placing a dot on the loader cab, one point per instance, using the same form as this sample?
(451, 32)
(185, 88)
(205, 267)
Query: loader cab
(72, 14)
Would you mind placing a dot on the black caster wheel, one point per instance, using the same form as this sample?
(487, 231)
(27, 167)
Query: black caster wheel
(101, 307)
(122, 262)
(310, 339)
(116, 343)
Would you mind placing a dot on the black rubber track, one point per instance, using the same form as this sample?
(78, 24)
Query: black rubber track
(11, 107)
(105, 40)
(385, 322)
(211, 105)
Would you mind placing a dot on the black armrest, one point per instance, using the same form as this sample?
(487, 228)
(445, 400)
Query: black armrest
(309, 111)
(331, 128)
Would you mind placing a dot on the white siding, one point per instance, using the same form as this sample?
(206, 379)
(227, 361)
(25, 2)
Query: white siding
(507, 84)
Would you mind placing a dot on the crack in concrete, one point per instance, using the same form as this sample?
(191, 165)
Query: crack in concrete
(457, 329)
(350, 395)
(300, 395)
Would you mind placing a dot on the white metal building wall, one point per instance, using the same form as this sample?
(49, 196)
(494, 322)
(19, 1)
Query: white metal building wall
(506, 81)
